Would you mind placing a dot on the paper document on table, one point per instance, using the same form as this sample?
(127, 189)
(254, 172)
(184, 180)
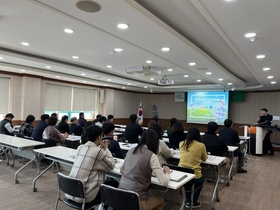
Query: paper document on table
(211, 157)
(177, 152)
(177, 176)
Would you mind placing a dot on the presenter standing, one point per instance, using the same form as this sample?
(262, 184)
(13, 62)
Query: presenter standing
(265, 119)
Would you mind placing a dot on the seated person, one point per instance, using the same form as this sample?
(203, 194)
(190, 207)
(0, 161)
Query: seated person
(177, 135)
(214, 144)
(231, 138)
(164, 152)
(108, 131)
(101, 121)
(169, 129)
(82, 121)
(26, 128)
(75, 128)
(93, 152)
(133, 130)
(139, 165)
(6, 125)
(63, 126)
(51, 136)
(97, 118)
(110, 118)
(40, 127)
(192, 153)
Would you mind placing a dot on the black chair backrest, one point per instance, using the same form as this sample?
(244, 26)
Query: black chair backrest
(49, 143)
(119, 199)
(71, 186)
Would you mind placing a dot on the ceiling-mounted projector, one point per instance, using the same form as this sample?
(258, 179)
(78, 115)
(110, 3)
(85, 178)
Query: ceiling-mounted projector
(146, 70)
(166, 81)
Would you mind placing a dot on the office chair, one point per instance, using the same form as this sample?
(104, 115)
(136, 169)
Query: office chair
(74, 187)
(119, 199)
(189, 187)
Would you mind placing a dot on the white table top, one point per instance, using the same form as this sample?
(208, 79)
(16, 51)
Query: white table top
(17, 142)
(119, 125)
(117, 134)
(232, 148)
(59, 152)
(172, 184)
(166, 140)
(212, 160)
(120, 129)
(244, 137)
(68, 155)
(73, 138)
(127, 146)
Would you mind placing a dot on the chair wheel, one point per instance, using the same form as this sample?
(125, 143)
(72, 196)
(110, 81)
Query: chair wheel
(16, 181)
(34, 189)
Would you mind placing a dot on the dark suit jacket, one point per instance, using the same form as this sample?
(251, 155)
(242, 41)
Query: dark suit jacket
(230, 136)
(175, 138)
(114, 148)
(214, 144)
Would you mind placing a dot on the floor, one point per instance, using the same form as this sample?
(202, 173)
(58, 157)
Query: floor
(256, 190)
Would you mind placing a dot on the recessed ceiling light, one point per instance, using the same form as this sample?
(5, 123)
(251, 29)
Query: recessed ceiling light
(75, 57)
(169, 69)
(260, 56)
(270, 77)
(273, 82)
(123, 87)
(83, 74)
(208, 73)
(109, 66)
(250, 35)
(152, 78)
(266, 69)
(123, 26)
(199, 80)
(229, 83)
(165, 49)
(192, 64)
(109, 80)
(229, 0)
(220, 79)
(105, 85)
(149, 61)
(25, 43)
(128, 83)
(118, 49)
(22, 70)
(1, 58)
(186, 75)
(68, 31)
(57, 76)
(145, 86)
(84, 82)
(48, 67)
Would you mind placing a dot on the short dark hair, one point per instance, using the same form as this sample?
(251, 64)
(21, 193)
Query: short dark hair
(98, 116)
(102, 119)
(10, 115)
(52, 120)
(228, 123)
(30, 119)
(54, 114)
(44, 117)
(177, 126)
(264, 109)
(212, 127)
(149, 138)
(110, 117)
(193, 134)
(64, 117)
(107, 128)
(81, 114)
(133, 117)
(172, 121)
(91, 133)
(157, 128)
(73, 119)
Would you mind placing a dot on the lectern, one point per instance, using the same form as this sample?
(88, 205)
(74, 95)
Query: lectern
(260, 134)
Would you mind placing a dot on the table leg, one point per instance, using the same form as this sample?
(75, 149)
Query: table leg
(39, 175)
(230, 169)
(29, 162)
(215, 194)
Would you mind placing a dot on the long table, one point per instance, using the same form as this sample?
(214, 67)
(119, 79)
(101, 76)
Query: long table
(21, 147)
(67, 156)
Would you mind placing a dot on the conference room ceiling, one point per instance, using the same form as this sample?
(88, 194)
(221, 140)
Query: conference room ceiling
(207, 34)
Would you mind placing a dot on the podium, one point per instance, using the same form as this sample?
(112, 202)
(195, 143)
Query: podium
(256, 142)
(260, 134)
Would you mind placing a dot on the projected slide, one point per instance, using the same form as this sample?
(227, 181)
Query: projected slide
(203, 107)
